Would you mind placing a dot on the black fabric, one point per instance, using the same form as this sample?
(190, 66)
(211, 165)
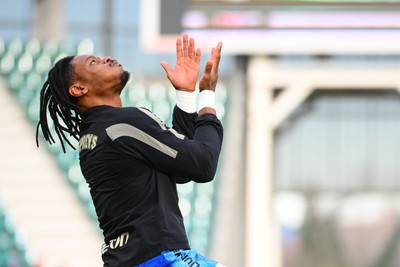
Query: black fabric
(133, 183)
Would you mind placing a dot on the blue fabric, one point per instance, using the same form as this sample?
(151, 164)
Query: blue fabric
(179, 258)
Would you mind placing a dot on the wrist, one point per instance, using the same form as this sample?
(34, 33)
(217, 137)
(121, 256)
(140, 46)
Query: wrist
(206, 99)
(206, 110)
(186, 101)
(206, 89)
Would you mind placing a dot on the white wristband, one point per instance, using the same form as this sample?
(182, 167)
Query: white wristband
(186, 101)
(206, 99)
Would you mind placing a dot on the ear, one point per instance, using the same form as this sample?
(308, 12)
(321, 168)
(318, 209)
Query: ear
(77, 90)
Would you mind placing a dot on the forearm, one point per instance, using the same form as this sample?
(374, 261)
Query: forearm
(186, 101)
(204, 149)
(184, 122)
(197, 157)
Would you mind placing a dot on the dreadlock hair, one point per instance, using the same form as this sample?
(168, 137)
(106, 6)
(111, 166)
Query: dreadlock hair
(56, 101)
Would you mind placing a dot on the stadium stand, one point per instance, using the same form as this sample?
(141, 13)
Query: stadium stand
(12, 247)
(24, 67)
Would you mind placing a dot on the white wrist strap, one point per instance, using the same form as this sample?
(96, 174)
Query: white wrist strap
(186, 101)
(206, 99)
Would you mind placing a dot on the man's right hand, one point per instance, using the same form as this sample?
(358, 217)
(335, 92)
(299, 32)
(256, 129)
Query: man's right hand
(184, 76)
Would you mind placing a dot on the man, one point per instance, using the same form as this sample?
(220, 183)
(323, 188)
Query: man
(130, 159)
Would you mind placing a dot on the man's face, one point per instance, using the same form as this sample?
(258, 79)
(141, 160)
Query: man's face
(100, 75)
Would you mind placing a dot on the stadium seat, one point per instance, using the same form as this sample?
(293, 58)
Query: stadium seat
(43, 63)
(15, 80)
(7, 63)
(33, 48)
(12, 249)
(50, 48)
(25, 63)
(16, 47)
(2, 47)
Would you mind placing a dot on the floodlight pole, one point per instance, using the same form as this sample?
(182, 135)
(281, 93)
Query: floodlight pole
(49, 20)
(265, 114)
(261, 235)
(108, 27)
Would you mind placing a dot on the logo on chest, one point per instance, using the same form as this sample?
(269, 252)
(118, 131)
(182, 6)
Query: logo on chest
(88, 141)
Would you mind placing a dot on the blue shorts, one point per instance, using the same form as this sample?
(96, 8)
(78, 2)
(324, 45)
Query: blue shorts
(180, 258)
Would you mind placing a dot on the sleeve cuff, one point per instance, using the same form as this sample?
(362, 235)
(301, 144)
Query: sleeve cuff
(206, 99)
(186, 101)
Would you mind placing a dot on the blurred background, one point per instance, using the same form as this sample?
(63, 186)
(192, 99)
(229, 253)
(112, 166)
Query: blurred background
(309, 98)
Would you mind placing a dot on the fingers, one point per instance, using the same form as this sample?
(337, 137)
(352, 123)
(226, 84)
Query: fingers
(210, 77)
(207, 76)
(185, 47)
(191, 49)
(208, 68)
(166, 67)
(179, 48)
(198, 56)
(216, 55)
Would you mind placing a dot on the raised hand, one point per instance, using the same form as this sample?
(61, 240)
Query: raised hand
(184, 76)
(210, 77)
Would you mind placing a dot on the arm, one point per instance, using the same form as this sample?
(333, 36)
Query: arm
(183, 77)
(142, 136)
(209, 82)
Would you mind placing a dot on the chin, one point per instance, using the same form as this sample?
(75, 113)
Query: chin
(124, 77)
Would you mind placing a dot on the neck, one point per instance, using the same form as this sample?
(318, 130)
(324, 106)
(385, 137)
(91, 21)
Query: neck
(113, 102)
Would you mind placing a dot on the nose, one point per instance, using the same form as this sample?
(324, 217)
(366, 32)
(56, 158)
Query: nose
(107, 59)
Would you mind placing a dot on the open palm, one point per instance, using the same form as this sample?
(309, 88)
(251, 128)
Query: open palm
(184, 76)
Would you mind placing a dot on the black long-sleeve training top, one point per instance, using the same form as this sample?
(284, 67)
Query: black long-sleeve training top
(132, 162)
